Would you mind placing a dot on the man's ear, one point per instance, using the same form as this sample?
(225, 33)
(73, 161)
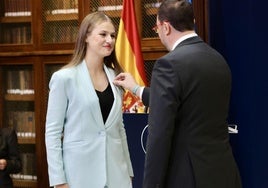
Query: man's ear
(167, 28)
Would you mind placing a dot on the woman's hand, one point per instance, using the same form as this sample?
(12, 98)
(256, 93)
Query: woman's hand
(3, 164)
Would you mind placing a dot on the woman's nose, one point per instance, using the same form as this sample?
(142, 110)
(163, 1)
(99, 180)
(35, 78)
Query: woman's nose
(109, 38)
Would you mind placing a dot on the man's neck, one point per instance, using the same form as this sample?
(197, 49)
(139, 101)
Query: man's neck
(183, 36)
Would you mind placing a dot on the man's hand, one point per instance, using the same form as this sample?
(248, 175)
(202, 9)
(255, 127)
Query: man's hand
(3, 164)
(125, 80)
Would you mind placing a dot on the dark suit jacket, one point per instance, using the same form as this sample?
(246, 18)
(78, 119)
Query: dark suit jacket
(9, 151)
(188, 141)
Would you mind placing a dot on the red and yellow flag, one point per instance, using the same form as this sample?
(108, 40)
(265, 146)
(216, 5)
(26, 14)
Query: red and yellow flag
(129, 55)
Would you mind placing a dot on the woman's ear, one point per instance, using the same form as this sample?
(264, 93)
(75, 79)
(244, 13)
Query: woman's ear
(86, 40)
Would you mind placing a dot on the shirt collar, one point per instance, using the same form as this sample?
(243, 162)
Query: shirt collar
(183, 38)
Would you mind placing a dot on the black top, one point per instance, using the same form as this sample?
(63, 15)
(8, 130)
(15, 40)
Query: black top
(106, 100)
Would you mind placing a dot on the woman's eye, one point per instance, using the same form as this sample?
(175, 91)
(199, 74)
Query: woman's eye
(105, 35)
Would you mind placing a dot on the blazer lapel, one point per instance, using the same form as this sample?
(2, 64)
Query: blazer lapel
(117, 104)
(89, 88)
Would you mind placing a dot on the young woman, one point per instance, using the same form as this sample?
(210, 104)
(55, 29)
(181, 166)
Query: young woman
(85, 137)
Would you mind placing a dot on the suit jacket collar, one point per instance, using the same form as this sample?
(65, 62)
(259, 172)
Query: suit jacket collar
(116, 108)
(190, 35)
(188, 41)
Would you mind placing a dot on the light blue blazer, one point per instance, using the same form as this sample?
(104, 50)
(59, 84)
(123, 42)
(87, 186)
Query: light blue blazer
(81, 150)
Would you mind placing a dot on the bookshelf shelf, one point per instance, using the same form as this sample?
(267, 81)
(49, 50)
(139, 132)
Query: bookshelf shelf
(24, 183)
(16, 19)
(25, 140)
(17, 97)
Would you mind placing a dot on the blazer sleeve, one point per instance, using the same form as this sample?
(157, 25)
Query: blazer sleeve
(124, 139)
(163, 103)
(146, 96)
(57, 104)
(126, 150)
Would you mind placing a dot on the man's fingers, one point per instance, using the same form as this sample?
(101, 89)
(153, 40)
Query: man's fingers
(119, 77)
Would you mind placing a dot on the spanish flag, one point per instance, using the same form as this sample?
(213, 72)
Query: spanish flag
(129, 55)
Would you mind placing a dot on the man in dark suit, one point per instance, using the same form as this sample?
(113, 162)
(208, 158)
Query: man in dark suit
(10, 161)
(188, 142)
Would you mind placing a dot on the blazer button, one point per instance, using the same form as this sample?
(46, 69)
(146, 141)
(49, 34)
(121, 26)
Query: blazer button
(102, 133)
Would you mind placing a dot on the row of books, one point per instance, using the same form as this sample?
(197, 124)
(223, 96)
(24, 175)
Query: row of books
(111, 2)
(111, 7)
(117, 5)
(16, 34)
(71, 6)
(17, 7)
(65, 4)
(23, 7)
(54, 34)
(64, 11)
(61, 33)
(23, 122)
(20, 82)
(28, 171)
(63, 7)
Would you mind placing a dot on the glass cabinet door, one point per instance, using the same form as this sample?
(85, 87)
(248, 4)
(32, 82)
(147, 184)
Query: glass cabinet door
(48, 71)
(60, 21)
(15, 22)
(112, 8)
(149, 17)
